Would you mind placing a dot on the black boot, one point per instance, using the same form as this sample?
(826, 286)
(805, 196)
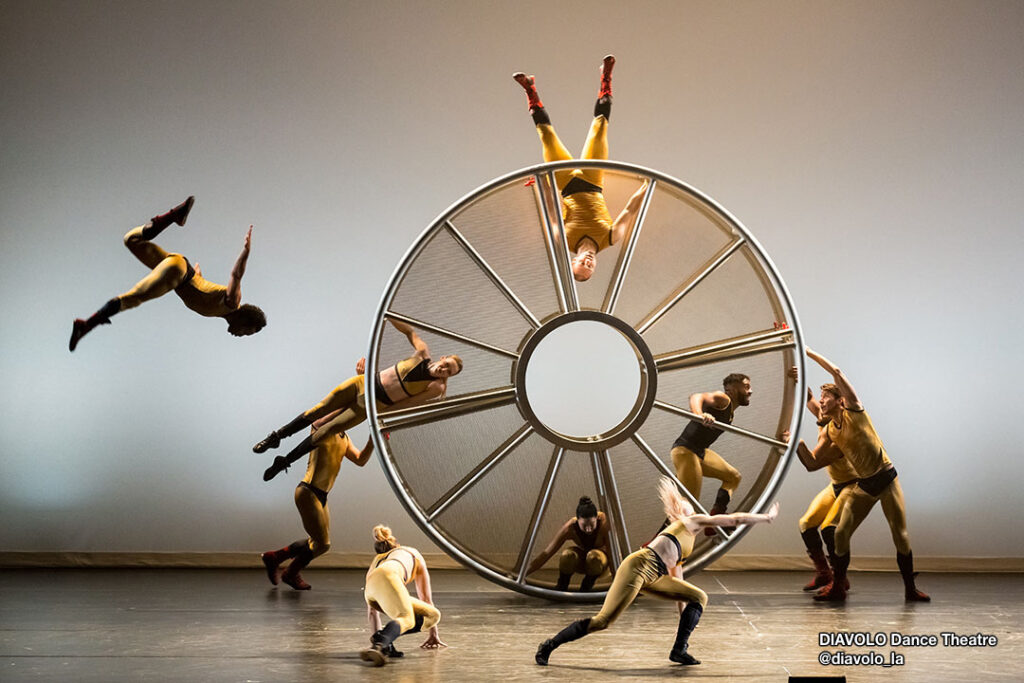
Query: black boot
(303, 556)
(721, 504)
(380, 642)
(176, 215)
(573, 631)
(80, 327)
(687, 622)
(283, 462)
(906, 565)
(587, 584)
(273, 440)
(836, 591)
(563, 581)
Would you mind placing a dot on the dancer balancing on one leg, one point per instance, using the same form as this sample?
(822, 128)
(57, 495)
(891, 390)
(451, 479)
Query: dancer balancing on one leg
(394, 566)
(311, 500)
(850, 434)
(589, 552)
(589, 227)
(174, 272)
(647, 570)
(691, 453)
(408, 383)
(818, 523)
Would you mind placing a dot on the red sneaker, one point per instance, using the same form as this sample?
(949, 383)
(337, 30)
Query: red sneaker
(295, 581)
(606, 76)
(271, 563)
(831, 593)
(917, 596)
(529, 85)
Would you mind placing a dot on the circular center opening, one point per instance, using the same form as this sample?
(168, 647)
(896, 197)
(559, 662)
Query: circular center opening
(583, 379)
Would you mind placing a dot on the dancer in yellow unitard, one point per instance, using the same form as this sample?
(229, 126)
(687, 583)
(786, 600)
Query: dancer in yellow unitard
(175, 272)
(394, 566)
(589, 227)
(691, 455)
(311, 500)
(648, 570)
(851, 435)
(409, 382)
(589, 552)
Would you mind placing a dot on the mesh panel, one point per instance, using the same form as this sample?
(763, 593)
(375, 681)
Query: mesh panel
(433, 457)
(446, 288)
(575, 478)
(493, 517)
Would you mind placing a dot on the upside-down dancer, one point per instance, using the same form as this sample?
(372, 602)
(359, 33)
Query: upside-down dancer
(311, 500)
(818, 523)
(589, 227)
(691, 455)
(850, 434)
(394, 566)
(589, 552)
(648, 570)
(175, 272)
(408, 383)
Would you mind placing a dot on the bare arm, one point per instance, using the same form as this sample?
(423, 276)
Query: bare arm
(434, 390)
(423, 592)
(362, 457)
(628, 215)
(373, 616)
(234, 293)
(695, 522)
(421, 346)
(556, 542)
(824, 454)
(845, 388)
(718, 399)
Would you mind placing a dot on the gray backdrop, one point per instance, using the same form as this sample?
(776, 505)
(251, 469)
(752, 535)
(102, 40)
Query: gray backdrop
(873, 148)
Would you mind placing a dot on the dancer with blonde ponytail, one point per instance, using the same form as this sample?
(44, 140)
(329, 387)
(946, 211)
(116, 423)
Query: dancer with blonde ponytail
(394, 566)
(648, 570)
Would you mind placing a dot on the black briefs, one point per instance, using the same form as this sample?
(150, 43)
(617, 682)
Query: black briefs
(878, 482)
(190, 273)
(378, 388)
(837, 488)
(320, 494)
(577, 185)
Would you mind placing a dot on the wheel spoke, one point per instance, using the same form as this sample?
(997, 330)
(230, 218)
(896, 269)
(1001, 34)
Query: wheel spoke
(449, 334)
(602, 501)
(440, 410)
(554, 240)
(664, 307)
(721, 425)
(667, 471)
(485, 465)
(538, 514)
(491, 274)
(726, 349)
(626, 254)
(614, 499)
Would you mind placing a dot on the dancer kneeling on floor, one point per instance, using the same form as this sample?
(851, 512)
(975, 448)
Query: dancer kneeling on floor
(647, 570)
(394, 566)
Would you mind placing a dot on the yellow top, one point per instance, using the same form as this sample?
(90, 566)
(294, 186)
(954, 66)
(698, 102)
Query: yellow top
(205, 297)
(684, 538)
(325, 461)
(413, 382)
(859, 443)
(585, 214)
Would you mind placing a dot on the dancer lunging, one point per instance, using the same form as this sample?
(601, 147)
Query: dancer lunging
(589, 227)
(648, 570)
(850, 434)
(311, 500)
(394, 566)
(175, 272)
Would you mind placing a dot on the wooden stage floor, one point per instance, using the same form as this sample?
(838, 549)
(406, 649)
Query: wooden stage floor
(231, 625)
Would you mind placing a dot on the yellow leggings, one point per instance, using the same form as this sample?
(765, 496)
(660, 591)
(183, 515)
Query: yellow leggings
(575, 560)
(596, 147)
(823, 510)
(348, 397)
(639, 571)
(316, 520)
(691, 470)
(855, 504)
(385, 590)
(167, 270)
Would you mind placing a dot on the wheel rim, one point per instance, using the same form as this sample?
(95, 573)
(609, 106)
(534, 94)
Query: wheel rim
(691, 290)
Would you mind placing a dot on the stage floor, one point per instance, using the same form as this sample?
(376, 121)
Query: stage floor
(232, 625)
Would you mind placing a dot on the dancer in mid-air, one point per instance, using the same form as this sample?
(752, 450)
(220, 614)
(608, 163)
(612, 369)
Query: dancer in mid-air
(648, 570)
(850, 434)
(394, 566)
(589, 227)
(175, 272)
(408, 383)
(589, 552)
(691, 455)
(818, 523)
(311, 500)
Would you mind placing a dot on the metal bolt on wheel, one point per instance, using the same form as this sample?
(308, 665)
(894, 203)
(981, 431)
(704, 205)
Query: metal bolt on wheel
(688, 296)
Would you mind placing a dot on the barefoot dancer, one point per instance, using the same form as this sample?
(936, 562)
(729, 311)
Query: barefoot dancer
(174, 272)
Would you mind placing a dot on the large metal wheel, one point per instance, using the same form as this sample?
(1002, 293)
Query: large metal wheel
(691, 294)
